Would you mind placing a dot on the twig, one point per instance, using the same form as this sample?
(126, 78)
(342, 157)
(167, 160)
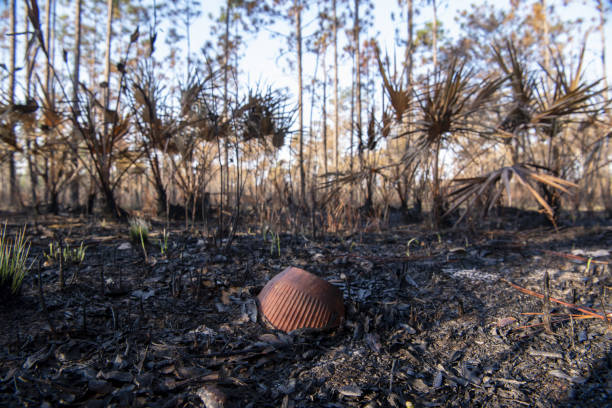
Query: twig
(573, 333)
(575, 257)
(61, 267)
(84, 319)
(391, 376)
(42, 299)
(604, 311)
(583, 309)
(546, 303)
(548, 354)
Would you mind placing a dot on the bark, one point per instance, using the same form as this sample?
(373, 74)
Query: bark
(105, 165)
(434, 35)
(157, 181)
(325, 113)
(410, 45)
(357, 29)
(74, 191)
(336, 102)
(410, 50)
(298, 32)
(109, 34)
(29, 156)
(602, 23)
(352, 131)
(12, 51)
(48, 37)
(546, 45)
(14, 190)
(225, 94)
(437, 207)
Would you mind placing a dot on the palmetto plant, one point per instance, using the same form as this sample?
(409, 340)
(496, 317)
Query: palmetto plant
(491, 186)
(103, 129)
(155, 122)
(399, 97)
(453, 104)
(533, 107)
(266, 115)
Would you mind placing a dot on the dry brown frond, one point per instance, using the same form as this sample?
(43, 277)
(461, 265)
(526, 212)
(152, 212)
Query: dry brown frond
(449, 104)
(486, 187)
(570, 95)
(265, 115)
(398, 96)
(340, 179)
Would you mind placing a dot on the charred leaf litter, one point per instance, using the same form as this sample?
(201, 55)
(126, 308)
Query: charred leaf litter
(427, 324)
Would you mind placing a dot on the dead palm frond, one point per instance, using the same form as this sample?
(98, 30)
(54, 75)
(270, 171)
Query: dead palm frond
(451, 103)
(265, 115)
(340, 179)
(522, 84)
(399, 97)
(201, 109)
(570, 95)
(489, 189)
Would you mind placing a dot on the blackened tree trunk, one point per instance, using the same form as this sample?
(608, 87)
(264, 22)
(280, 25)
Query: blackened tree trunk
(74, 188)
(336, 103)
(14, 188)
(298, 33)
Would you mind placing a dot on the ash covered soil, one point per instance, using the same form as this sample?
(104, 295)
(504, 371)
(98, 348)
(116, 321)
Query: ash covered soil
(431, 320)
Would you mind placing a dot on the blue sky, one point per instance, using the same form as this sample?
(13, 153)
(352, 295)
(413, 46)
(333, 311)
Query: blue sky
(261, 58)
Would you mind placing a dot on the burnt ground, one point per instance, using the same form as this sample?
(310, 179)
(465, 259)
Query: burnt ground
(433, 327)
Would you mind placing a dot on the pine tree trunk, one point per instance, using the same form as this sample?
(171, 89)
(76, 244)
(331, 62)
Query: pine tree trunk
(105, 165)
(437, 207)
(410, 50)
(602, 23)
(336, 102)
(14, 189)
(74, 190)
(325, 114)
(357, 29)
(298, 31)
(48, 38)
(352, 126)
(434, 35)
(546, 45)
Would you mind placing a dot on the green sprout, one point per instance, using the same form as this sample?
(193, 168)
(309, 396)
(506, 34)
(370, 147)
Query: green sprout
(274, 241)
(163, 243)
(588, 266)
(68, 255)
(415, 240)
(277, 238)
(75, 255)
(13, 257)
(139, 233)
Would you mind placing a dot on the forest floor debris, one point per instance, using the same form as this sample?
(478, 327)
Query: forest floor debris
(437, 328)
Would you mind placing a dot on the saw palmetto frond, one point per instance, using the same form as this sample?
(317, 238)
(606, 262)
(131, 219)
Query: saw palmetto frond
(489, 187)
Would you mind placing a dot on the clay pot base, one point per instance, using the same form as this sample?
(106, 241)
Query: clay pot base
(296, 299)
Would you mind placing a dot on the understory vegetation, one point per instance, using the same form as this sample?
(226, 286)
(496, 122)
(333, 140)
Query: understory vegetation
(503, 115)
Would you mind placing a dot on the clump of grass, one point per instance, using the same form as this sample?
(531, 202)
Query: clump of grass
(274, 240)
(139, 233)
(13, 263)
(163, 243)
(68, 255)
